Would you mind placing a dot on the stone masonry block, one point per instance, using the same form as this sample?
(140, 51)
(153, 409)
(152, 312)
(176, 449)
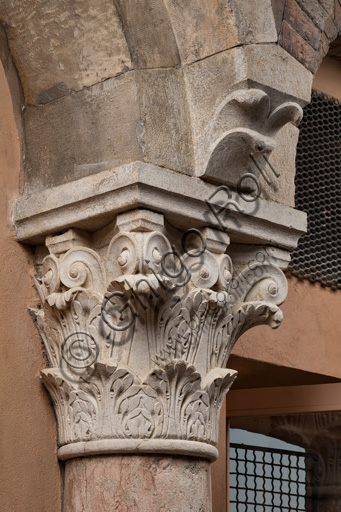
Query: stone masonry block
(64, 43)
(278, 10)
(164, 110)
(205, 27)
(149, 33)
(82, 134)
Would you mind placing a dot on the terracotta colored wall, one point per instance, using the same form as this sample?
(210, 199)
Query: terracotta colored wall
(29, 471)
(309, 338)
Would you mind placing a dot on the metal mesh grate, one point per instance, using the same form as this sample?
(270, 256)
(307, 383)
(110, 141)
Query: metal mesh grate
(271, 480)
(318, 191)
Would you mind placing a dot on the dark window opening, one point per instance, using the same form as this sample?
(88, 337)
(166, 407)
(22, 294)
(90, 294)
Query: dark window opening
(318, 191)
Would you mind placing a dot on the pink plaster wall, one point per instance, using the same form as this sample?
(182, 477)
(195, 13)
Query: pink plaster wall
(309, 338)
(29, 471)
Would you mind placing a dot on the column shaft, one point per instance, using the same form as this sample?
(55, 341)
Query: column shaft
(137, 483)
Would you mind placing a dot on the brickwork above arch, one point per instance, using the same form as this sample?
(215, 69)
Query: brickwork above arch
(306, 28)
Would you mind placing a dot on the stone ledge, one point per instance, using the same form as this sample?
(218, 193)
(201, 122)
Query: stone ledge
(93, 202)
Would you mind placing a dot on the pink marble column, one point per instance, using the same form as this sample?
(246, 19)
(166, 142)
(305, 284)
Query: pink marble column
(137, 483)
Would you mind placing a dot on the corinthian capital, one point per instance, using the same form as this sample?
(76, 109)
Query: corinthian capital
(138, 321)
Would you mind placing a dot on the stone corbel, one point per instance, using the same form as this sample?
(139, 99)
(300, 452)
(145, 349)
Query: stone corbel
(138, 324)
(241, 135)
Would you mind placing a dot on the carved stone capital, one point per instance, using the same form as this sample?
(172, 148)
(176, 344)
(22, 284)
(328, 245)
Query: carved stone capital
(138, 321)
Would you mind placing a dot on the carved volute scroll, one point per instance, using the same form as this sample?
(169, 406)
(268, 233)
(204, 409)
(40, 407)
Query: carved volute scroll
(138, 326)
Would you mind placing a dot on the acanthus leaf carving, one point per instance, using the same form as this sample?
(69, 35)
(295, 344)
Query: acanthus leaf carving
(138, 336)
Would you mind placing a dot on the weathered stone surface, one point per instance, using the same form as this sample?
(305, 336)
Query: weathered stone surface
(302, 23)
(278, 10)
(136, 483)
(254, 25)
(166, 118)
(280, 187)
(203, 28)
(254, 64)
(179, 122)
(149, 33)
(82, 133)
(161, 33)
(242, 135)
(53, 93)
(227, 128)
(64, 42)
(169, 126)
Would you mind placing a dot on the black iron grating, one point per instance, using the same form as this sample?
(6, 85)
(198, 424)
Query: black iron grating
(318, 191)
(271, 480)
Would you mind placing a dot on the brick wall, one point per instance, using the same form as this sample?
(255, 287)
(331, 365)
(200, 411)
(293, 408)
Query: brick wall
(307, 27)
